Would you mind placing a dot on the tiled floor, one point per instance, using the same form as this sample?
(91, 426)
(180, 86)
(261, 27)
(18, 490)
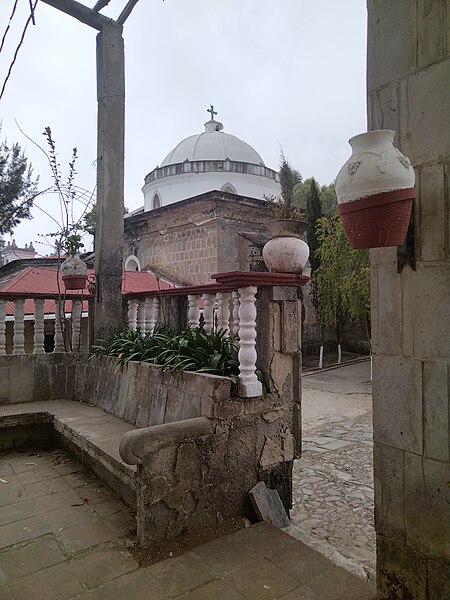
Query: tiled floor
(64, 536)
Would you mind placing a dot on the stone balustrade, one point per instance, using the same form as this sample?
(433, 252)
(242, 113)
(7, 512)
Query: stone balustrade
(26, 319)
(229, 304)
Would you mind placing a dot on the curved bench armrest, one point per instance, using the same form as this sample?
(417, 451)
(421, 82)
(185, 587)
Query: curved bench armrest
(135, 445)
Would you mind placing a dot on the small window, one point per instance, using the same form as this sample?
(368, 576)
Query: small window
(156, 201)
(229, 188)
(132, 264)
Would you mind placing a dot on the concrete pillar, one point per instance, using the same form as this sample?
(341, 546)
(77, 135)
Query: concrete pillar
(110, 181)
(409, 91)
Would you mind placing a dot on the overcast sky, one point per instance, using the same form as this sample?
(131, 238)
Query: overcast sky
(284, 72)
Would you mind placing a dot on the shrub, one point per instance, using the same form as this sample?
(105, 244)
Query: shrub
(191, 350)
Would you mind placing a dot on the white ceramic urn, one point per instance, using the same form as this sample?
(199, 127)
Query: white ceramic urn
(73, 272)
(375, 166)
(375, 191)
(286, 252)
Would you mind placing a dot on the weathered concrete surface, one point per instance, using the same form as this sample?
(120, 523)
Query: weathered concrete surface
(268, 506)
(341, 394)
(66, 537)
(333, 496)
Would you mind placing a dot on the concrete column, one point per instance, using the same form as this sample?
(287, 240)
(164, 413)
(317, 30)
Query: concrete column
(409, 91)
(110, 181)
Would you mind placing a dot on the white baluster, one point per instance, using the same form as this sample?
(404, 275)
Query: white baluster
(155, 314)
(59, 318)
(132, 313)
(234, 320)
(39, 326)
(2, 327)
(193, 316)
(76, 325)
(208, 311)
(223, 312)
(141, 316)
(148, 303)
(249, 385)
(19, 328)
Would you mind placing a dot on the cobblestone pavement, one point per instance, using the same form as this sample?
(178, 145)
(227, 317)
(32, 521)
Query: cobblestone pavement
(63, 536)
(333, 498)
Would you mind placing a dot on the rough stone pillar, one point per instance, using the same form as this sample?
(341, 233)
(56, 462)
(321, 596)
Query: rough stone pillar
(110, 181)
(409, 92)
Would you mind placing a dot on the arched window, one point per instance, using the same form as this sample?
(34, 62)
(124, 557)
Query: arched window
(132, 263)
(156, 201)
(229, 188)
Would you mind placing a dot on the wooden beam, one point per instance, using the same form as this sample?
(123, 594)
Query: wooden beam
(126, 11)
(83, 13)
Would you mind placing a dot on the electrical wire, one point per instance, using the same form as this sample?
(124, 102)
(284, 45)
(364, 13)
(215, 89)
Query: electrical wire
(29, 20)
(9, 25)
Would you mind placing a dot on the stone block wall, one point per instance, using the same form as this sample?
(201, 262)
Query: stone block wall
(409, 92)
(35, 377)
(197, 473)
(144, 395)
(192, 239)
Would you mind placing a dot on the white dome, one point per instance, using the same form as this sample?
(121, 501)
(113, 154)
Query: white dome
(212, 160)
(212, 144)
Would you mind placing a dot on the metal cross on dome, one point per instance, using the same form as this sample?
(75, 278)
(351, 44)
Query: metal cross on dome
(212, 111)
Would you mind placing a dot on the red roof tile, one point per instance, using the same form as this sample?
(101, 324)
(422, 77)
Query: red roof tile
(45, 280)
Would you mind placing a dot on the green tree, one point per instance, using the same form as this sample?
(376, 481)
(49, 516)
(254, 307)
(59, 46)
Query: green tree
(313, 214)
(327, 196)
(17, 187)
(342, 281)
(328, 200)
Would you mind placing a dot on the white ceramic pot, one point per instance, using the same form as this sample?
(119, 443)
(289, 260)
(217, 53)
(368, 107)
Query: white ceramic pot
(286, 255)
(73, 272)
(375, 166)
(375, 191)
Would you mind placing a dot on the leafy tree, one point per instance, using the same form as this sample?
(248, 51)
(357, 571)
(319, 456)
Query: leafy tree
(342, 281)
(17, 187)
(328, 200)
(327, 196)
(89, 220)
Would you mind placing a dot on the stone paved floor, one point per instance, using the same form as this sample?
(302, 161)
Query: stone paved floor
(333, 481)
(64, 536)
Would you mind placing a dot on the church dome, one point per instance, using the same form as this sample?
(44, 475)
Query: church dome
(211, 160)
(213, 144)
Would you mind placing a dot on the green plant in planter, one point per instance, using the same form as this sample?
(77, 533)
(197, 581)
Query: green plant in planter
(193, 349)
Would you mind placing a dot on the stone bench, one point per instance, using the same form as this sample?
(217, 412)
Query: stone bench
(89, 433)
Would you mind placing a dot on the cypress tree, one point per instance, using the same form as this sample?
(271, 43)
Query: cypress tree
(314, 213)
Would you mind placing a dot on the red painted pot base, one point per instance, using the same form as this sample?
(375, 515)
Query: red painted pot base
(378, 221)
(74, 282)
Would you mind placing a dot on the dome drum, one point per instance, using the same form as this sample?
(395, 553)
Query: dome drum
(211, 166)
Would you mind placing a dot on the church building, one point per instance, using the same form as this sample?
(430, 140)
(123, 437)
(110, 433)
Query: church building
(204, 209)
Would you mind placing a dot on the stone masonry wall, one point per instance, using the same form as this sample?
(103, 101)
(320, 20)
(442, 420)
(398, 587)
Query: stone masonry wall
(144, 395)
(192, 239)
(409, 92)
(186, 481)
